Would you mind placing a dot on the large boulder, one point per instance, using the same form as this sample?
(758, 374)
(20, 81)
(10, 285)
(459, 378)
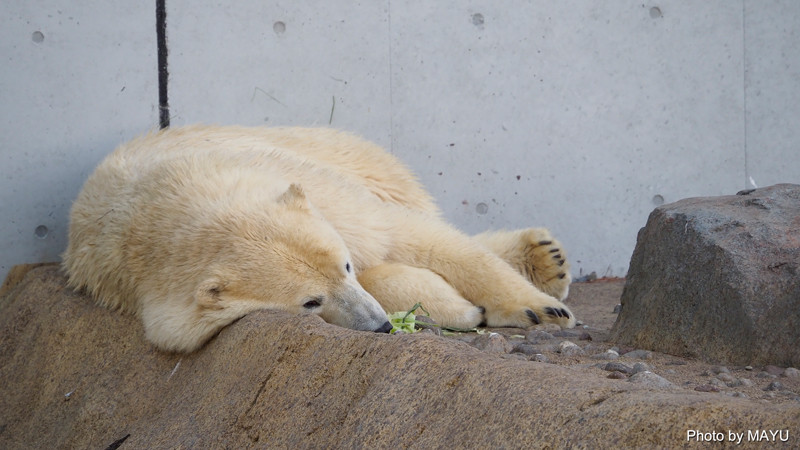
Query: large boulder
(718, 278)
(75, 375)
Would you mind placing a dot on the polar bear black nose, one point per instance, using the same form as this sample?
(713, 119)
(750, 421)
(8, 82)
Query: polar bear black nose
(385, 328)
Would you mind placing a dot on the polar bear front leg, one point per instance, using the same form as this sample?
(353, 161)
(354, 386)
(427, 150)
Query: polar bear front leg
(477, 274)
(535, 254)
(398, 287)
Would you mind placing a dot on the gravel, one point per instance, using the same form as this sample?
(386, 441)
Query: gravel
(537, 336)
(726, 377)
(492, 343)
(650, 379)
(774, 386)
(639, 354)
(607, 355)
(719, 369)
(526, 349)
(539, 358)
(568, 348)
(618, 367)
(707, 388)
(791, 372)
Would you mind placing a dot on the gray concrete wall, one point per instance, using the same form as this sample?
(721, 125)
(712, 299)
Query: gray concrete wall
(576, 115)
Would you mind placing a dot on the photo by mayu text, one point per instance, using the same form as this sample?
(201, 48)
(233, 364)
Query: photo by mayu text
(738, 437)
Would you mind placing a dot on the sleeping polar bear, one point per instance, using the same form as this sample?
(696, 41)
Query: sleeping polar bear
(192, 228)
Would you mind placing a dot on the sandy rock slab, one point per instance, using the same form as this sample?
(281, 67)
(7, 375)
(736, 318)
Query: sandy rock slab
(718, 278)
(79, 376)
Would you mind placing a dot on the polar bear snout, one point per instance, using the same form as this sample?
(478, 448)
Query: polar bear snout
(353, 307)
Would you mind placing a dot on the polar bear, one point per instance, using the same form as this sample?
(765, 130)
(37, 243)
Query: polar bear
(194, 227)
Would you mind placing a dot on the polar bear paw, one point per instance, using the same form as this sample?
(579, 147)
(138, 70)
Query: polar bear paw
(523, 314)
(535, 254)
(543, 262)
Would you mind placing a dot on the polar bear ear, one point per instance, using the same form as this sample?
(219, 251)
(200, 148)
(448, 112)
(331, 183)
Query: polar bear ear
(294, 197)
(208, 293)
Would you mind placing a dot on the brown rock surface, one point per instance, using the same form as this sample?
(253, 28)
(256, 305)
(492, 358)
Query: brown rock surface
(79, 376)
(718, 278)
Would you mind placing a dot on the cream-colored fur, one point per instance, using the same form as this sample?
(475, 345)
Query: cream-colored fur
(535, 254)
(399, 287)
(194, 227)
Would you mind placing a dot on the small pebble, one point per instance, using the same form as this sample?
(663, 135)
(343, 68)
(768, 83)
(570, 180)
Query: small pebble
(745, 382)
(492, 343)
(717, 382)
(617, 309)
(773, 370)
(726, 377)
(748, 367)
(774, 386)
(641, 367)
(791, 372)
(617, 375)
(639, 354)
(518, 356)
(525, 349)
(618, 367)
(593, 348)
(707, 388)
(539, 358)
(650, 379)
(428, 325)
(765, 375)
(607, 355)
(585, 336)
(568, 348)
(738, 394)
(548, 327)
(566, 334)
(719, 369)
(735, 383)
(536, 336)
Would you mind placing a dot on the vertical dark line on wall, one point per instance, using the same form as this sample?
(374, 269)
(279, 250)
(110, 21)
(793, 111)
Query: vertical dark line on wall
(745, 80)
(163, 74)
(391, 79)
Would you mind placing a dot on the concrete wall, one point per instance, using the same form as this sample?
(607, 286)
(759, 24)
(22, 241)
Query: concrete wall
(576, 115)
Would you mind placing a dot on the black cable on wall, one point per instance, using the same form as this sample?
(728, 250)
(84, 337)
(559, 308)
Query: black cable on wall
(163, 74)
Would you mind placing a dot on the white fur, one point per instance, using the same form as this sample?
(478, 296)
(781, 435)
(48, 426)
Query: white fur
(194, 227)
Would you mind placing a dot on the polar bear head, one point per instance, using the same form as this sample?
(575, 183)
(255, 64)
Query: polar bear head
(290, 259)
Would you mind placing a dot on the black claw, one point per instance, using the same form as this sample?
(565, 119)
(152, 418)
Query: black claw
(558, 256)
(545, 242)
(532, 315)
(562, 275)
(482, 309)
(482, 324)
(555, 250)
(555, 312)
(561, 263)
(565, 313)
